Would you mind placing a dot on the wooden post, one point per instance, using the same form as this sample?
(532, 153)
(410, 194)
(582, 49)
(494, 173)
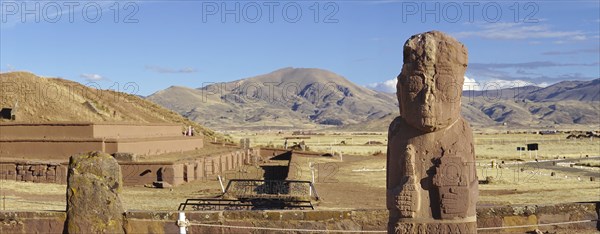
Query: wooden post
(312, 172)
(221, 182)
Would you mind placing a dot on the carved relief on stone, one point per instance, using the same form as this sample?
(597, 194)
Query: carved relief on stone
(451, 180)
(427, 228)
(407, 199)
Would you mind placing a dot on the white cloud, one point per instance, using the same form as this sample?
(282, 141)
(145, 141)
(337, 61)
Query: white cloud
(92, 77)
(159, 69)
(470, 84)
(494, 84)
(505, 84)
(519, 31)
(573, 52)
(389, 86)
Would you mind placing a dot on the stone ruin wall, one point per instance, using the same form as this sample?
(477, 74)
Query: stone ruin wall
(47, 149)
(206, 168)
(134, 173)
(375, 220)
(79, 130)
(37, 172)
(57, 141)
(136, 131)
(48, 131)
(155, 146)
(56, 149)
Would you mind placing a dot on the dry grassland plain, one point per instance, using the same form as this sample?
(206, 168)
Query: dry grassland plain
(357, 180)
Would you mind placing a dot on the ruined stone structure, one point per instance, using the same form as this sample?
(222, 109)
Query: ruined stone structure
(136, 173)
(138, 221)
(37, 172)
(38, 152)
(431, 175)
(180, 172)
(93, 194)
(58, 141)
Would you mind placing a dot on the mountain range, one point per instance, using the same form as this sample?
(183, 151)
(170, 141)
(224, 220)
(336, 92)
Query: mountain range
(310, 98)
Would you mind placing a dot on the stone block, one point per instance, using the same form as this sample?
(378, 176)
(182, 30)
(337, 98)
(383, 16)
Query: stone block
(144, 226)
(489, 222)
(273, 215)
(93, 194)
(243, 215)
(236, 230)
(518, 220)
(292, 215)
(320, 215)
(208, 216)
(51, 172)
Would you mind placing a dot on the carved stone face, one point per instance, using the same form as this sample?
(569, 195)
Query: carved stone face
(429, 87)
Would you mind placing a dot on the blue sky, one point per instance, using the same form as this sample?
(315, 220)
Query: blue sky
(156, 44)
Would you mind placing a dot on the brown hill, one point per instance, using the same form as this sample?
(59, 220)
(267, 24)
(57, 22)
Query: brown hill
(286, 98)
(41, 99)
(308, 98)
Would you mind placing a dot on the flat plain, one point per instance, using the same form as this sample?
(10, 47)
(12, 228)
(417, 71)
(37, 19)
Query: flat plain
(356, 179)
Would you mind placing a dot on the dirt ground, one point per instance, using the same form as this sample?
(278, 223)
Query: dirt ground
(357, 182)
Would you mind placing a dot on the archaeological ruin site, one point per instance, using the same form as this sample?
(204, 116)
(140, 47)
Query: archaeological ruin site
(155, 171)
(39, 152)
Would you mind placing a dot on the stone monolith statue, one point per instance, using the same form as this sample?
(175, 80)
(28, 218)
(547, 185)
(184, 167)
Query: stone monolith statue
(431, 180)
(93, 194)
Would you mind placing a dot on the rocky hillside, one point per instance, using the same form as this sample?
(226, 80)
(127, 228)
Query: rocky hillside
(566, 104)
(583, 91)
(41, 99)
(315, 98)
(286, 98)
